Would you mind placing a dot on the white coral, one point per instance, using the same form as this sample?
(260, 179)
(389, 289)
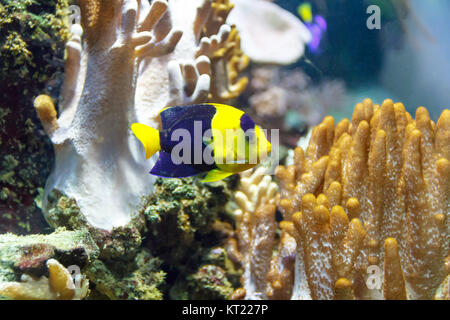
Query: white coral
(134, 59)
(269, 33)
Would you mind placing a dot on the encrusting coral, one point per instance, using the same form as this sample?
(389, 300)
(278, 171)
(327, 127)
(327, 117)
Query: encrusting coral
(370, 192)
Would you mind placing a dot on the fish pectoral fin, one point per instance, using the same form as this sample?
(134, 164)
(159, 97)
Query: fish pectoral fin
(216, 175)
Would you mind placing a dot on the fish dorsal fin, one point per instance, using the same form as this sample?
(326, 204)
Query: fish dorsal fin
(171, 116)
(216, 175)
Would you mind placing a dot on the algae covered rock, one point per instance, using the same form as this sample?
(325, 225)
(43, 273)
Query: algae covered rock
(119, 242)
(210, 282)
(140, 278)
(25, 272)
(180, 216)
(215, 278)
(33, 35)
(187, 223)
(61, 284)
(28, 254)
(32, 39)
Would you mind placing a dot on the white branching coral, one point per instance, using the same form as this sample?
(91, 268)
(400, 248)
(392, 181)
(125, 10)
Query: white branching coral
(256, 230)
(134, 58)
(58, 286)
(201, 67)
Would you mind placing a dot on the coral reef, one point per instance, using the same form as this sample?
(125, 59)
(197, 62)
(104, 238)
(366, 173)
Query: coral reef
(32, 37)
(125, 61)
(182, 223)
(364, 206)
(365, 211)
(370, 192)
(134, 59)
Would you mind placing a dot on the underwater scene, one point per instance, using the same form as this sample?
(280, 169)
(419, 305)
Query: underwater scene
(224, 150)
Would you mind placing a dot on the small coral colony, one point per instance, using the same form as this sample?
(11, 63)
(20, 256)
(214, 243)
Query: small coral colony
(358, 210)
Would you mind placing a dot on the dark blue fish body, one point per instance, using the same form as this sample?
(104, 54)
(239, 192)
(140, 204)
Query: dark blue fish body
(184, 118)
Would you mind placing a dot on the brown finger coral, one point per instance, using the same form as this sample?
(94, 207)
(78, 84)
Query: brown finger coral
(370, 192)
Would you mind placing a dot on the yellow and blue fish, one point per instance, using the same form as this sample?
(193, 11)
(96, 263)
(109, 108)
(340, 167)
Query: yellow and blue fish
(316, 24)
(230, 136)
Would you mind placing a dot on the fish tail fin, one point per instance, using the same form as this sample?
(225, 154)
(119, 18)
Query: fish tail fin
(149, 138)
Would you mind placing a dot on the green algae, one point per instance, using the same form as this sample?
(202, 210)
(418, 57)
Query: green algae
(208, 283)
(27, 30)
(182, 216)
(32, 41)
(63, 211)
(139, 278)
(179, 213)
